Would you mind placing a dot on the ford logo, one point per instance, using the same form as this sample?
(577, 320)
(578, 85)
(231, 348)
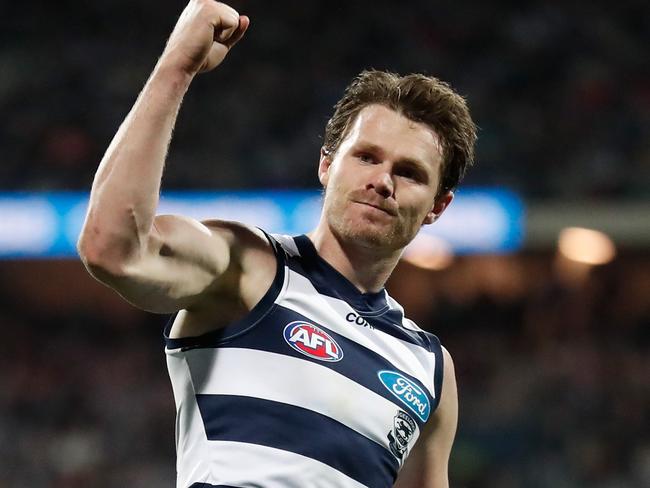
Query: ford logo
(408, 393)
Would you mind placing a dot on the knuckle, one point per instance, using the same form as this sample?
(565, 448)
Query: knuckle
(228, 13)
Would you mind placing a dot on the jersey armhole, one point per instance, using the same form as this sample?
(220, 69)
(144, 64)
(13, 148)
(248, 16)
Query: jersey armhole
(438, 372)
(240, 326)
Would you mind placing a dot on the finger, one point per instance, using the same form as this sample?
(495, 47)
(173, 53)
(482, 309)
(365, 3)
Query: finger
(224, 34)
(244, 22)
(228, 23)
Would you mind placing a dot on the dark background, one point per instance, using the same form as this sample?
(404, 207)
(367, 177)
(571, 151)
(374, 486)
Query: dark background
(560, 90)
(551, 356)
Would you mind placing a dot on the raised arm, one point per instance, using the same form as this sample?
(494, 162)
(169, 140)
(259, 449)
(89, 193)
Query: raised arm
(167, 263)
(427, 465)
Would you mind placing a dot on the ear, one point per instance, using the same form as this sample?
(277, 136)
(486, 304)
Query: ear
(439, 206)
(324, 165)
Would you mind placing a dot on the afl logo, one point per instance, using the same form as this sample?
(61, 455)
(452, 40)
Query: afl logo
(312, 341)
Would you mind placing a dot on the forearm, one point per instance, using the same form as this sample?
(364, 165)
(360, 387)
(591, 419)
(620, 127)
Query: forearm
(124, 195)
(125, 191)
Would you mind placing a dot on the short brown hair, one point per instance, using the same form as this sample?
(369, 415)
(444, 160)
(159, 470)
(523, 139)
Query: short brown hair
(420, 98)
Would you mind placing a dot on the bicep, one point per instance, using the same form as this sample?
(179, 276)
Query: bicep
(180, 260)
(427, 465)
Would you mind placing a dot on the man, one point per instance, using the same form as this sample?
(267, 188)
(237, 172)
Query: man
(290, 364)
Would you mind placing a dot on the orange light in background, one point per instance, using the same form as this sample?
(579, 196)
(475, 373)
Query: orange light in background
(586, 246)
(429, 252)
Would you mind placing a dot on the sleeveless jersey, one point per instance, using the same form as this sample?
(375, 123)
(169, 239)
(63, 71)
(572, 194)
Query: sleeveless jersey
(318, 386)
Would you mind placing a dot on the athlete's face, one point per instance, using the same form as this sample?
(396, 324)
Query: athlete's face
(381, 183)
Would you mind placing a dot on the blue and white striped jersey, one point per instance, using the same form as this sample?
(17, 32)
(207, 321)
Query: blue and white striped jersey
(319, 386)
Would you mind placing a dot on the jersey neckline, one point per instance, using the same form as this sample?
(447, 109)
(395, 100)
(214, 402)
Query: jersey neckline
(329, 278)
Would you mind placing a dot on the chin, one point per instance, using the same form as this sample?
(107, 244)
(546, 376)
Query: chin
(353, 224)
(372, 235)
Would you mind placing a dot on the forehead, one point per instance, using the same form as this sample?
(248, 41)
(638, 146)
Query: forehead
(394, 133)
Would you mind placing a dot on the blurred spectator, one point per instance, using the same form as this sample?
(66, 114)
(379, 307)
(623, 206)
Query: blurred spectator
(553, 363)
(552, 368)
(559, 90)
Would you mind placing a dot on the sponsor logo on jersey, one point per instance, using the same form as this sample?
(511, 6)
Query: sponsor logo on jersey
(401, 434)
(312, 341)
(358, 319)
(408, 393)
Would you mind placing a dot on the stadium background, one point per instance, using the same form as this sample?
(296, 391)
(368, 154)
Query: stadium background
(551, 354)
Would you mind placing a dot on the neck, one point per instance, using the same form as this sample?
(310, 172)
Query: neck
(367, 268)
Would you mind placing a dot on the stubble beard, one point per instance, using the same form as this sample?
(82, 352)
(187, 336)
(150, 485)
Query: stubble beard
(351, 227)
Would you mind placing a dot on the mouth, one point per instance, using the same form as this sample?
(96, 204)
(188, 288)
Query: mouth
(388, 211)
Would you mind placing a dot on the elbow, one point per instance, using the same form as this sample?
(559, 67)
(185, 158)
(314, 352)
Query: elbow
(90, 254)
(103, 256)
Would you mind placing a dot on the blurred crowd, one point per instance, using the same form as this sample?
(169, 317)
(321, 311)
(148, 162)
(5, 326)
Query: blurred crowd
(553, 366)
(560, 90)
(552, 360)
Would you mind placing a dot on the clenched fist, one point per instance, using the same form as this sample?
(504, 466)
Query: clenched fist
(204, 33)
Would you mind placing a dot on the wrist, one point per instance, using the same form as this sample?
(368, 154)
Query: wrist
(174, 79)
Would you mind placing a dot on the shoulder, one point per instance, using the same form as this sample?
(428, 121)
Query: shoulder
(237, 234)
(446, 415)
(247, 245)
(206, 237)
(449, 375)
(238, 245)
(447, 361)
(253, 258)
(427, 466)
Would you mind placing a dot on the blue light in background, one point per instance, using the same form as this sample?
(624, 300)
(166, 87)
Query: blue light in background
(47, 224)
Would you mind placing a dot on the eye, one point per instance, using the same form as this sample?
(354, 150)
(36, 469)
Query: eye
(406, 173)
(366, 158)
(409, 173)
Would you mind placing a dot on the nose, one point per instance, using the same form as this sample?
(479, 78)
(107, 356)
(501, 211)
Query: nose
(382, 183)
